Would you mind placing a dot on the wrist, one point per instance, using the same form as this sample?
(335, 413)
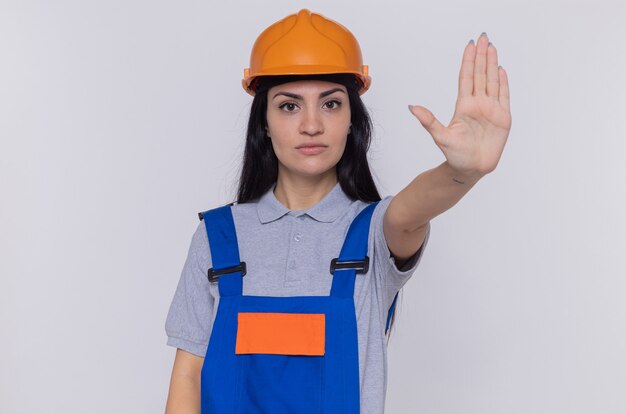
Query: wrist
(466, 177)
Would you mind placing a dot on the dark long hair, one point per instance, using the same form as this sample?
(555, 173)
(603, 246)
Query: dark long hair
(260, 165)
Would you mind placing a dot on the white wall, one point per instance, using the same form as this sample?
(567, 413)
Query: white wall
(120, 120)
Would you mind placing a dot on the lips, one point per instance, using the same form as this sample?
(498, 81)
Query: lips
(311, 144)
(311, 148)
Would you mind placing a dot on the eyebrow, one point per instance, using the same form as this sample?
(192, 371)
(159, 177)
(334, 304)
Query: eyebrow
(322, 95)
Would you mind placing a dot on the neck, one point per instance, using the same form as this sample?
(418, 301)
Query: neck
(300, 193)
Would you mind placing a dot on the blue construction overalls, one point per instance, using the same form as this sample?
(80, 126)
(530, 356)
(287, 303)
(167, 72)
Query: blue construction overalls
(246, 370)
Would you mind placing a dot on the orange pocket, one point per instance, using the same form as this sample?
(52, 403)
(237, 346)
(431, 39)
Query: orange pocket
(281, 333)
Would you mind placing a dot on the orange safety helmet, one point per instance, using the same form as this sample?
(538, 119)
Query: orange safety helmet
(304, 44)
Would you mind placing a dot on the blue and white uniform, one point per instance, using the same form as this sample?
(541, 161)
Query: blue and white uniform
(288, 253)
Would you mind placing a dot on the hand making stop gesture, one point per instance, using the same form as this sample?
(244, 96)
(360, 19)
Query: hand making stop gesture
(474, 140)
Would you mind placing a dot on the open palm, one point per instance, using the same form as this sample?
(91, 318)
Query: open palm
(474, 140)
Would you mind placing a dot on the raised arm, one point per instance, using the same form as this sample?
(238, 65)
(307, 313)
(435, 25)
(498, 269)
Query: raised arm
(472, 144)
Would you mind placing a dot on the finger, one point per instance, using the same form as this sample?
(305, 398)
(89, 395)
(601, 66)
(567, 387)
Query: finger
(466, 75)
(503, 96)
(493, 83)
(428, 120)
(480, 66)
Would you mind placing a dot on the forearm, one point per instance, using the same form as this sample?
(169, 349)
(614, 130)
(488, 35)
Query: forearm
(430, 194)
(184, 396)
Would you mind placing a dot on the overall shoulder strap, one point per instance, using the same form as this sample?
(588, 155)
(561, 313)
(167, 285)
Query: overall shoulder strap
(353, 255)
(390, 313)
(227, 268)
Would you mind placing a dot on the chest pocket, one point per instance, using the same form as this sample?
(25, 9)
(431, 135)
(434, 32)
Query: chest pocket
(282, 362)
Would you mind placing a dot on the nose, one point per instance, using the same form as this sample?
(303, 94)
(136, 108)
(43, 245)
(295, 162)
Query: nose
(311, 122)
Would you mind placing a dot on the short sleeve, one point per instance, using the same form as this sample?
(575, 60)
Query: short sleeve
(393, 278)
(189, 320)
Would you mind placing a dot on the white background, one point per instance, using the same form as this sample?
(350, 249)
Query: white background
(120, 120)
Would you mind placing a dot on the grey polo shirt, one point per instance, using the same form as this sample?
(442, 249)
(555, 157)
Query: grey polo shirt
(288, 253)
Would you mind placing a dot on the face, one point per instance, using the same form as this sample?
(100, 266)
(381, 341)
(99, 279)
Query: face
(308, 122)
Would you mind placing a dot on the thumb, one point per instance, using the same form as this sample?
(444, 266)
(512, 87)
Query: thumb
(427, 119)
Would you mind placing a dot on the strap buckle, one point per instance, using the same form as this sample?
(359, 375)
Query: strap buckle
(361, 266)
(215, 274)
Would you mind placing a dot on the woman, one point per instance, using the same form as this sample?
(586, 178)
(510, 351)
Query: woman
(260, 323)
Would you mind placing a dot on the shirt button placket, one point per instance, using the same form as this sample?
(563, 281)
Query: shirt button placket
(292, 266)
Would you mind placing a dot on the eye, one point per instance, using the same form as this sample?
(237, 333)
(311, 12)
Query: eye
(336, 103)
(289, 105)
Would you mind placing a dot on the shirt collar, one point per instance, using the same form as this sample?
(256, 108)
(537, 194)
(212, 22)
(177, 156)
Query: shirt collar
(327, 210)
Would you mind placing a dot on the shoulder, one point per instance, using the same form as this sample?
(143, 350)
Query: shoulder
(200, 239)
(244, 215)
(379, 209)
